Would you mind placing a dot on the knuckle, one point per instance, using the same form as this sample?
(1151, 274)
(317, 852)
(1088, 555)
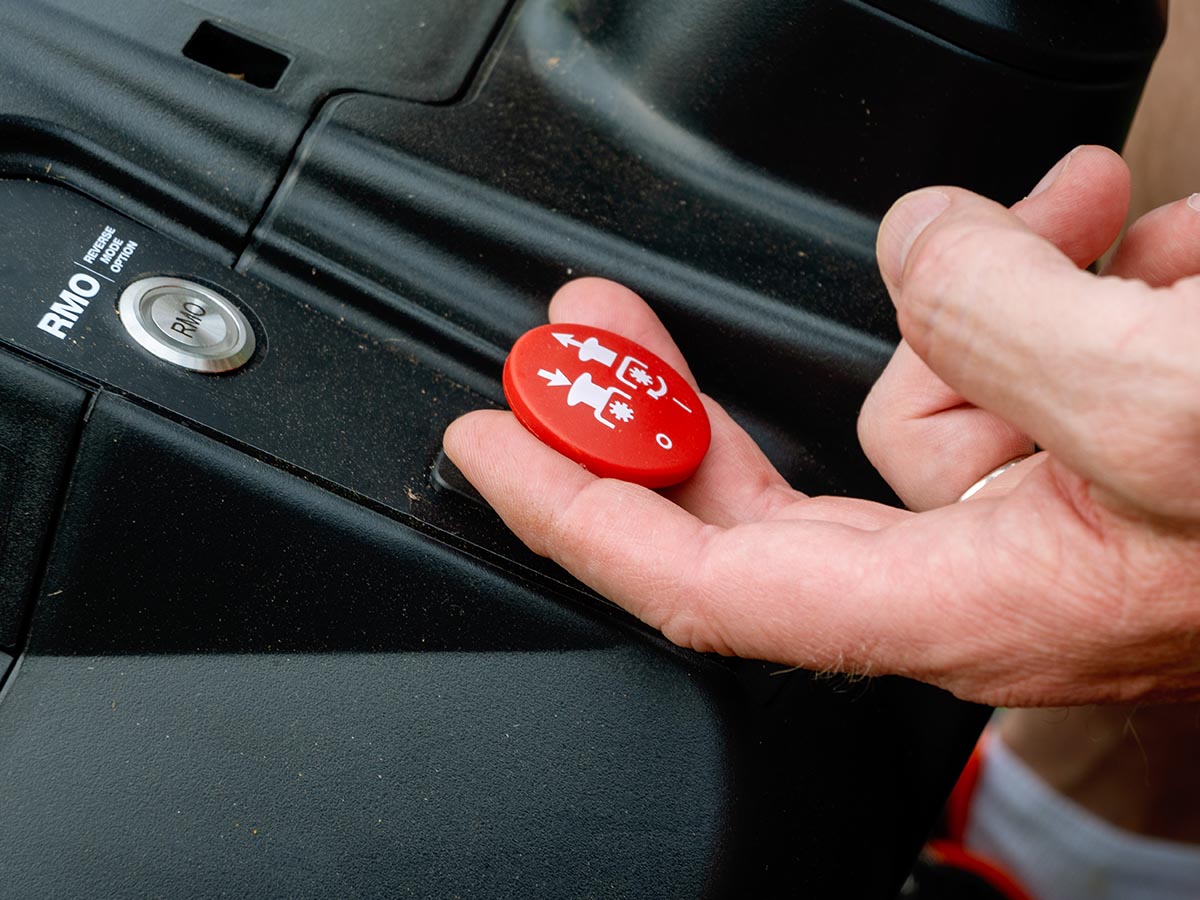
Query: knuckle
(682, 606)
(688, 611)
(939, 262)
(559, 529)
(952, 274)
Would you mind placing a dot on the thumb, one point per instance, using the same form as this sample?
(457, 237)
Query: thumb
(1096, 370)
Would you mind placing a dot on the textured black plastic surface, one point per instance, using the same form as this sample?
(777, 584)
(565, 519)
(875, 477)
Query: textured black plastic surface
(114, 108)
(319, 702)
(1076, 40)
(39, 418)
(101, 96)
(360, 405)
(275, 688)
(417, 49)
(735, 189)
(856, 101)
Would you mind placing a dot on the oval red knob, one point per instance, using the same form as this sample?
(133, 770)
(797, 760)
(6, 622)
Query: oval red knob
(607, 403)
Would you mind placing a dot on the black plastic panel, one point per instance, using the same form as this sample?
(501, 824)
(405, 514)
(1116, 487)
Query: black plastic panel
(1101, 41)
(39, 418)
(329, 704)
(366, 219)
(726, 160)
(307, 700)
(101, 96)
(855, 102)
(417, 49)
(113, 107)
(360, 403)
(365, 411)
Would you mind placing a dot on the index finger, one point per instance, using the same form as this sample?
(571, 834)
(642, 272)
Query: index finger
(663, 564)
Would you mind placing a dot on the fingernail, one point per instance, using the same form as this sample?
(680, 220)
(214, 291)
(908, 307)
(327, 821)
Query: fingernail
(1194, 202)
(1053, 175)
(903, 224)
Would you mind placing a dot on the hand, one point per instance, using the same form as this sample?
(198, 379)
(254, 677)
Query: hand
(1079, 583)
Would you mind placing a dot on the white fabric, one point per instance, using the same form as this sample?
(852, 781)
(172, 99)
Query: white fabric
(1057, 850)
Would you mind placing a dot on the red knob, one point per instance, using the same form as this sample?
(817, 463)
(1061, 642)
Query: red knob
(607, 403)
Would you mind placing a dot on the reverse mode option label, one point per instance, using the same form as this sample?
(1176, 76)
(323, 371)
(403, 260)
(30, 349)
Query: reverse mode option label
(107, 255)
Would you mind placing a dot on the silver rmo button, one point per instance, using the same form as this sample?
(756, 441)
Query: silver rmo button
(186, 324)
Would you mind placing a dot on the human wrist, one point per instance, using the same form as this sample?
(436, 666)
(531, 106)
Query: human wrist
(1131, 766)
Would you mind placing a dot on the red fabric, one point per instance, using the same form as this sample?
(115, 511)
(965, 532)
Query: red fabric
(959, 803)
(952, 850)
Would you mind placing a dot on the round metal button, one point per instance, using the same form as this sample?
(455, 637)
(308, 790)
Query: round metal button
(187, 324)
